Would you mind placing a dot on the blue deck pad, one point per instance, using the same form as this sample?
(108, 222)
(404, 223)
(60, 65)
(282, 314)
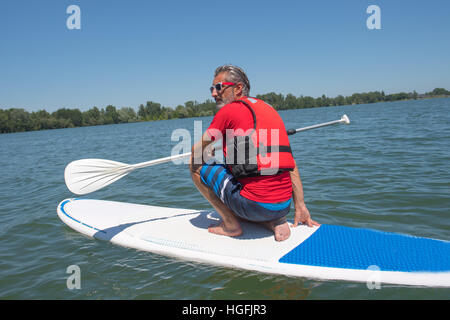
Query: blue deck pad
(352, 248)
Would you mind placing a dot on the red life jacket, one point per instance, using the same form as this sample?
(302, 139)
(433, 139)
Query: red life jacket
(262, 150)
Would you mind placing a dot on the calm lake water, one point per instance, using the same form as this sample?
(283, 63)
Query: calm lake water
(387, 170)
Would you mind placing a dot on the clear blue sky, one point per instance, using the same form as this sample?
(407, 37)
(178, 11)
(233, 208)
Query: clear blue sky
(130, 52)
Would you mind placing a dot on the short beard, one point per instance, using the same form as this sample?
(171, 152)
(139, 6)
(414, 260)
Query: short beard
(223, 103)
(220, 104)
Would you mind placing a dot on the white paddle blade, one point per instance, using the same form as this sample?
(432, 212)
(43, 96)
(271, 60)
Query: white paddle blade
(345, 119)
(88, 175)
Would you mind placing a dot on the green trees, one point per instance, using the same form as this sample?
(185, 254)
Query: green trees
(74, 116)
(439, 92)
(280, 102)
(15, 120)
(275, 100)
(19, 120)
(92, 117)
(126, 115)
(151, 111)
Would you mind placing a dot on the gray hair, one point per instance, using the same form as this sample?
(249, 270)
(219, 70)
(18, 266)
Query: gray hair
(235, 74)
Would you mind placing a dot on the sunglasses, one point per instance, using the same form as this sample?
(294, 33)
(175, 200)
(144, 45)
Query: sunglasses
(219, 86)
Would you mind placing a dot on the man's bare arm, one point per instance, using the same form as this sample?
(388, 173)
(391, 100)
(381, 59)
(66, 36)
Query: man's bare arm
(201, 150)
(302, 214)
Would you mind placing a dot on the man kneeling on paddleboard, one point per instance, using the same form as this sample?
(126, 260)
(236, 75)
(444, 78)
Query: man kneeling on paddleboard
(260, 178)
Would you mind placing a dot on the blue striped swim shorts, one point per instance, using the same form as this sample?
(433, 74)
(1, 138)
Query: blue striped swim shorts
(220, 180)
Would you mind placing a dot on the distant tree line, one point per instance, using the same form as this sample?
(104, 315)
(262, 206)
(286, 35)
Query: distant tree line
(19, 120)
(281, 102)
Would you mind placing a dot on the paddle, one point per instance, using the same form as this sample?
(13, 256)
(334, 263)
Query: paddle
(344, 119)
(88, 175)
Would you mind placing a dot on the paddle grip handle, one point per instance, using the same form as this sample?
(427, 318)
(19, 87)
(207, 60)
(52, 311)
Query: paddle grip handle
(291, 132)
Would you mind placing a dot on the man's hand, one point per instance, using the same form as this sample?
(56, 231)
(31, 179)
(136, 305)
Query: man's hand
(302, 216)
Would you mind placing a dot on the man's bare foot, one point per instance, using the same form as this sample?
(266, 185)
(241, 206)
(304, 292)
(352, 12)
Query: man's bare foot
(282, 232)
(280, 229)
(221, 230)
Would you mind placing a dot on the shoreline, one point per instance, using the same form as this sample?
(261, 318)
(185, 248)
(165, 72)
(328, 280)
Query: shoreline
(202, 113)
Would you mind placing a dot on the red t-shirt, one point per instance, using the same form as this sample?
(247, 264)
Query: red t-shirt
(269, 189)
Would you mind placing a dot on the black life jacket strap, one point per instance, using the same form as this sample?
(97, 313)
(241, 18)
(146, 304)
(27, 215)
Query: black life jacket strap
(268, 149)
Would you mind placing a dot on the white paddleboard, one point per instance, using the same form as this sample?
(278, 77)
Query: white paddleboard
(327, 252)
